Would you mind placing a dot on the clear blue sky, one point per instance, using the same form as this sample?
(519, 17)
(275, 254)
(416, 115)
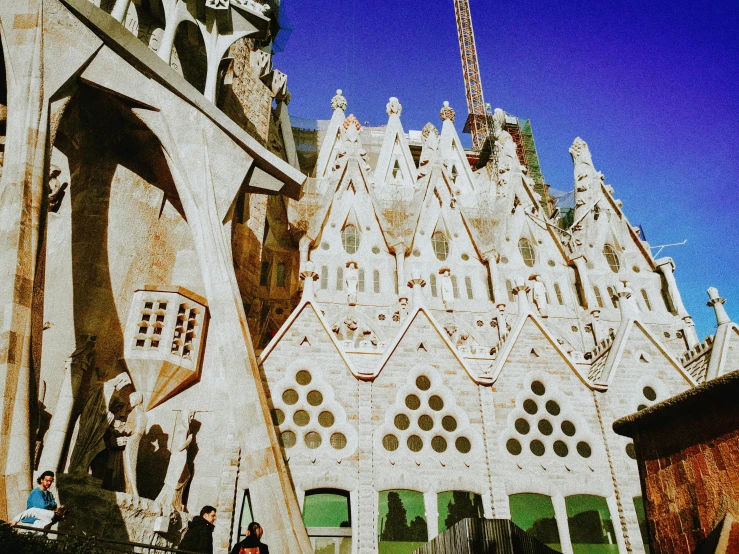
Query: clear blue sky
(652, 86)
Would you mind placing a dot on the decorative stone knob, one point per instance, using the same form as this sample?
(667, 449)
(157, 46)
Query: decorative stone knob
(447, 112)
(393, 107)
(338, 102)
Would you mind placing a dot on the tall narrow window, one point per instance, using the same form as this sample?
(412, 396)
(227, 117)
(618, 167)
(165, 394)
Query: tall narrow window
(455, 173)
(264, 275)
(360, 281)
(324, 277)
(558, 292)
(281, 274)
(645, 296)
(454, 506)
(327, 518)
(396, 170)
(612, 295)
(612, 258)
(339, 278)
(491, 295)
(350, 239)
(432, 281)
(598, 297)
(376, 281)
(527, 252)
(440, 245)
(590, 524)
(509, 288)
(395, 279)
(401, 521)
(534, 513)
(246, 515)
(579, 293)
(455, 288)
(468, 286)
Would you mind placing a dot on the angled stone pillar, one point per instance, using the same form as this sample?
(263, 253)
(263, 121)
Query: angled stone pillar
(720, 340)
(400, 267)
(582, 274)
(667, 267)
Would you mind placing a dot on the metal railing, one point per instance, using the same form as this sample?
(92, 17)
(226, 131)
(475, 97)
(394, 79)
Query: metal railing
(110, 544)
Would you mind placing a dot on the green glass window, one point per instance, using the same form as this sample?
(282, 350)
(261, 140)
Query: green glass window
(350, 239)
(440, 245)
(534, 513)
(455, 506)
(589, 521)
(376, 280)
(402, 522)
(612, 258)
(641, 517)
(339, 278)
(468, 286)
(455, 288)
(327, 517)
(527, 252)
(432, 281)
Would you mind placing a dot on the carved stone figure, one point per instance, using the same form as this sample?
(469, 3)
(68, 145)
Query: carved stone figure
(134, 429)
(539, 296)
(178, 473)
(96, 419)
(447, 290)
(56, 190)
(351, 281)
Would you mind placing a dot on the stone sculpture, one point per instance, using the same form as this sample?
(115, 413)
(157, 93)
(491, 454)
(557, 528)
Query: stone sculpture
(539, 296)
(134, 429)
(351, 280)
(447, 289)
(178, 472)
(56, 190)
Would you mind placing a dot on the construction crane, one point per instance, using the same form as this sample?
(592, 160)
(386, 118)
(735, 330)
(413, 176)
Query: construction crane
(477, 120)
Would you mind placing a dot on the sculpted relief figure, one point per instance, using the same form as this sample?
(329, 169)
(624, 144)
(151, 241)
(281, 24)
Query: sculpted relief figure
(351, 281)
(447, 289)
(178, 473)
(134, 429)
(539, 296)
(56, 190)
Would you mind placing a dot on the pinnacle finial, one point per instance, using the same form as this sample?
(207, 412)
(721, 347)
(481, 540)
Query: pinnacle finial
(338, 102)
(447, 112)
(717, 303)
(394, 106)
(428, 129)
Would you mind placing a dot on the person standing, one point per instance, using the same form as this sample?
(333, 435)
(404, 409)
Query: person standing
(252, 544)
(41, 497)
(199, 534)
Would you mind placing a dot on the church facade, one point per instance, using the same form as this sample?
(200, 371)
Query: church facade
(356, 348)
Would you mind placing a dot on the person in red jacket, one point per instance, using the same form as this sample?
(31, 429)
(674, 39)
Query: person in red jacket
(252, 544)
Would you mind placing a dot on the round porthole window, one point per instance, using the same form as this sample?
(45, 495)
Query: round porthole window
(390, 443)
(402, 422)
(513, 446)
(537, 448)
(463, 445)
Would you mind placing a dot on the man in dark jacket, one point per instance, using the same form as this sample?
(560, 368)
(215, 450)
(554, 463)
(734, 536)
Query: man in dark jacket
(199, 535)
(253, 541)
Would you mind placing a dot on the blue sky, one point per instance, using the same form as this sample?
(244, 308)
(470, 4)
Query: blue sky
(651, 86)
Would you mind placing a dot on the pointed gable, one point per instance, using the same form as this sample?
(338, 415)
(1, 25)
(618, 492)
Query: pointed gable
(395, 165)
(453, 156)
(332, 140)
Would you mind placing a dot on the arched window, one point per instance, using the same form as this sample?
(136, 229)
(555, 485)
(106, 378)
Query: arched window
(440, 245)
(468, 286)
(339, 278)
(558, 292)
(454, 506)
(509, 288)
(527, 252)
(590, 523)
(432, 282)
(376, 281)
(534, 513)
(327, 518)
(360, 281)
(645, 296)
(350, 239)
(612, 258)
(281, 274)
(455, 173)
(396, 170)
(598, 297)
(491, 295)
(455, 288)
(401, 521)
(324, 277)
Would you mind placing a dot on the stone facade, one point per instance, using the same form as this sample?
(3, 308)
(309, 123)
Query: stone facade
(189, 320)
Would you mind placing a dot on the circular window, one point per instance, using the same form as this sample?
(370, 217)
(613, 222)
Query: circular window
(312, 440)
(290, 397)
(636, 269)
(560, 449)
(338, 441)
(641, 407)
(301, 418)
(465, 257)
(530, 406)
(440, 245)
(390, 443)
(288, 439)
(649, 394)
(350, 239)
(303, 377)
(412, 401)
(583, 449)
(423, 383)
(438, 444)
(375, 250)
(552, 263)
(513, 446)
(315, 398)
(416, 252)
(538, 388)
(425, 422)
(631, 451)
(278, 416)
(552, 407)
(527, 252)
(402, 422)
(612, 258)
(568, 428)
(436, 403)
(325, 245)
(415, 443)
(326, 419)
(522, 426)
(545, 427)
(463, 445)
(449, 423)
(503, 260)
(537, 448)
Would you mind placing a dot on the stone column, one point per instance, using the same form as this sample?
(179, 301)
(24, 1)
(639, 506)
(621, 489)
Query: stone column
(416, 284)
(431, 504)
(366, 538)
(582, 274)
(400, 267)
(563, 527)
(308, 276)
(491, 260)
(720, 339)
(521, 290)
(666, 266)
(304, 246)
